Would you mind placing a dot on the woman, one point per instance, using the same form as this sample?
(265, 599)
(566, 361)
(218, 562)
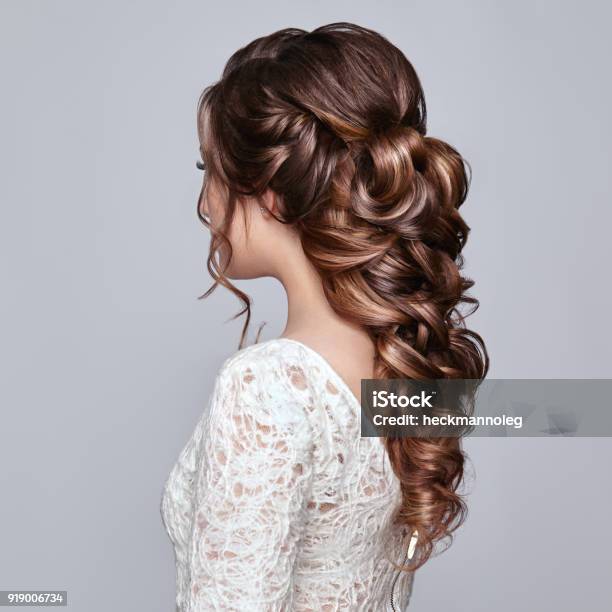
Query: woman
(318, 173)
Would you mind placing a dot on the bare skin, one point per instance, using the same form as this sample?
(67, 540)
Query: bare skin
(264, 247)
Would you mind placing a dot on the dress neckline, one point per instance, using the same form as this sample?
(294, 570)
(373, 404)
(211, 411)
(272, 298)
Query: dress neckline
(341, 383)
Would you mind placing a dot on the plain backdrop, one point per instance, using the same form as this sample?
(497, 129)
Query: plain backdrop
(108, 357)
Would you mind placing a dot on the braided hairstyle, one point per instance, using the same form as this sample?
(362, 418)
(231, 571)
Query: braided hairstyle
(333, 121)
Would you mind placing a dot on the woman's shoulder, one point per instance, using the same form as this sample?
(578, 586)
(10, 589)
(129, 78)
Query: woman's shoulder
(272, 373)
(279, 358)
(293, 362)
(283, 383)
(268, 388)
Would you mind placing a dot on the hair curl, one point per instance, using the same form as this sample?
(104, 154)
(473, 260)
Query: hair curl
(334, 122)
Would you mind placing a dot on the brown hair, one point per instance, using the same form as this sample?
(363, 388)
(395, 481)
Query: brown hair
(334, 122)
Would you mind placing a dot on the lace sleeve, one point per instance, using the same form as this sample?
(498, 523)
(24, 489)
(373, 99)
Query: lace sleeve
(250, 494)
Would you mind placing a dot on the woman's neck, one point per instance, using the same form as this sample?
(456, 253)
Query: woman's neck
(311, 318)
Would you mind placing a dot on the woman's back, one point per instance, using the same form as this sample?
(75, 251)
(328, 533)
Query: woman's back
(277, 502)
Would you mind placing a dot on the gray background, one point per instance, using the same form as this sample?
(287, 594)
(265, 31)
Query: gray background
(107, 357)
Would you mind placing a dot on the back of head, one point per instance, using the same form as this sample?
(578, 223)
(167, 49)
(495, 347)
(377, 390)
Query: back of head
(333, 121)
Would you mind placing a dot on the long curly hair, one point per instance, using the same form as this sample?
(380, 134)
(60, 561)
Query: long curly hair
(333, 121)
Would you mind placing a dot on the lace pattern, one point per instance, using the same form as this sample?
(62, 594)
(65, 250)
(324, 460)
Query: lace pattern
(276, 503)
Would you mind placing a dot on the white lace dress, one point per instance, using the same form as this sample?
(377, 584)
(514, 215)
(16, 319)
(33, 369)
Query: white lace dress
(276, 503)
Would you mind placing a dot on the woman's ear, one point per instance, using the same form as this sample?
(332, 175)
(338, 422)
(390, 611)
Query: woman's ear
(269, 202)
